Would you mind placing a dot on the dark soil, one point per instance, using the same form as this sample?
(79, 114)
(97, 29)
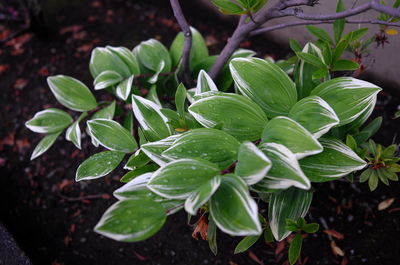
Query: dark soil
(51, 216)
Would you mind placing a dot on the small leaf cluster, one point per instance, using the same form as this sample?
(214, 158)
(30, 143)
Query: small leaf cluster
(239, 7)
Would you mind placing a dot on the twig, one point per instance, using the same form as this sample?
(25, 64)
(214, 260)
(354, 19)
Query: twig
(187, 45)
(317, 22)
(80, 198)
(284, 8)
(15, 34)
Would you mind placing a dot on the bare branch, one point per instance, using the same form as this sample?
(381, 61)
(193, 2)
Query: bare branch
(318, 22)
(187, 45)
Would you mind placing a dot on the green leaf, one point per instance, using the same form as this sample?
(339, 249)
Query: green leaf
(338, 25)
(127, 57)
(204, 83)
(112, 135)
(337, 160)
(103, 59)
(296, 138)
(105, 113)
(136, 188)
(138, 171)
(339, 49)
(347, 96)
(106, 79)
(351, 142)
(138, 159)
(132, 220)
(201, 195)
(227, 7)
(295, 249)
(252, 163)
(314, 114)
(212, 235)
(44, 144)
(98, 165)
(356, 35)
(233, 209)
(180, 98)
(177, 179)
(264, 83)
(152, 121)
(238, 116)
(287, 204)
(49, 121)
(268, 236)
(345, 65)
(153, 95)
(154, 149)
(285, 171)
(311, 228)
(245, 244)
(306, 75)
(198, 51)
(311, 59)
(373, 180)
(124, 88)
(369, 130)
(152, 53)
(73, 133)
(319, 33)
(291, 225)
(295, 45)
(213, 145)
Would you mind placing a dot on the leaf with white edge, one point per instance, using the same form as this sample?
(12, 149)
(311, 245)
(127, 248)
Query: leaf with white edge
(106, 79)
(201, 195)
(153, 95)
(253, 164)
(299, 140)
(213, 145)
(124, 88)
(177, 179)
(357, 123)
(303, 72)
(285, 171)
(150, 118)
(314, 114)
(135, 189)
(348, 97)
(73, 134)
(49, 121)
(204, 83)
(154, 149)
(198, 51)
(71, 93)
(138, 159)
(237, 115)
(287, 204)
(105, 113)
(132, 220)
(98, 165)
(233, 209)
(337, 160)
(151, 53)
(44, 144)
(127, 57)
(265, 83)
(112, 135)
(103, 59)
(158, 71)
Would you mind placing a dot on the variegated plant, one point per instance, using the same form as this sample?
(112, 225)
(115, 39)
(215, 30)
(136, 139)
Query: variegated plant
(254, 133)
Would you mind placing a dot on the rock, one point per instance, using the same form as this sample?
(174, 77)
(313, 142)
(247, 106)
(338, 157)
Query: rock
(10, 253)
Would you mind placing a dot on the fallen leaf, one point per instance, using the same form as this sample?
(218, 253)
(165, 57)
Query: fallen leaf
(334, 233)
(385, 204)
(20, 83)
(73, 29)
(44, 71)
(4, 68)
(255, 258)
(336, 250)
(85, 47)
(201, 228)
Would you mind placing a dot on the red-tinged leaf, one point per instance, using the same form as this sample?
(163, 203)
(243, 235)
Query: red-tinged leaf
(67, 239)
(334, 233)
(44, 71)
(4, 68)
(20, 83)
(280, 246)
(139, 257)
(232, 263)
(72, 228)
(85, 47)
(105, 196)
(71, 29)
(77, 213)
(383, 205)
(201, 228)
(255, 258)
(336, 250)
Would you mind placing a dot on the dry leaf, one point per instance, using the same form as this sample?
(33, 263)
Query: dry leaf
(336, 250)
(20, 83)
(201, 228)
(334, 233)
(385, 204)
(4, 68)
